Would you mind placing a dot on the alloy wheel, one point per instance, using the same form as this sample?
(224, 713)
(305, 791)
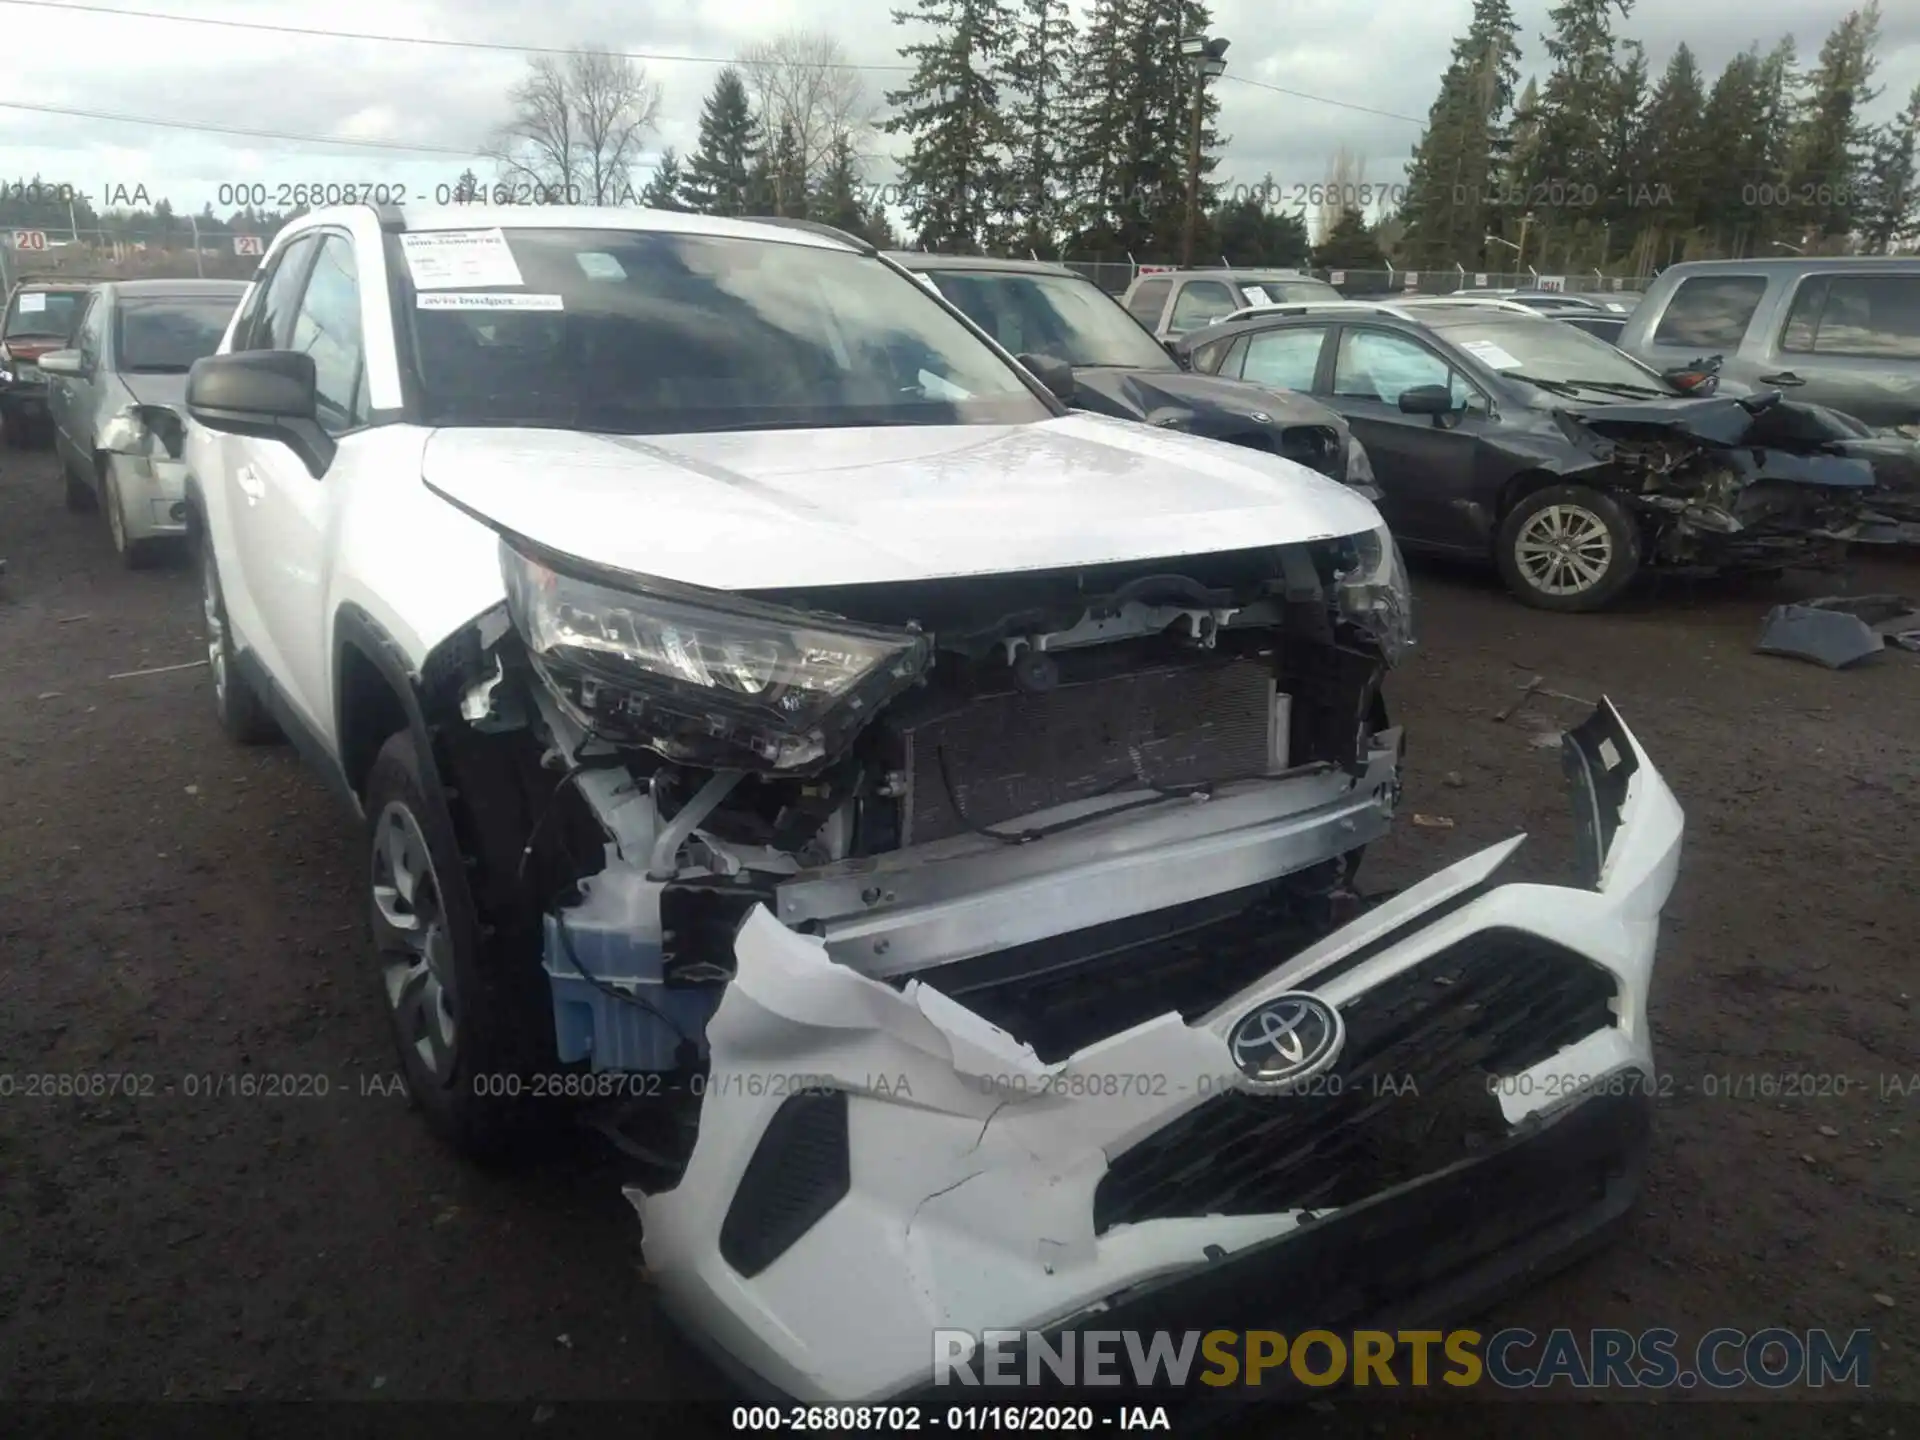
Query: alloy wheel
(1564, 550)
(415, 945)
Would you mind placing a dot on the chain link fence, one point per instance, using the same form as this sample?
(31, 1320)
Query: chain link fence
(101, 255)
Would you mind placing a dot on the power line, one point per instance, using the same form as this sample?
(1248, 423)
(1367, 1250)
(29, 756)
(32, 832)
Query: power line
(432, 40)
(503, 47)
(236, 130)
(1248, 80)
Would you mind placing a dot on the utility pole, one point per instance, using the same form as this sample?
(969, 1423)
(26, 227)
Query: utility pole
(1207, 56)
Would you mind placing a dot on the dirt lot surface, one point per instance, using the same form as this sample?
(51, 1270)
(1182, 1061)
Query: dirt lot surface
(172, 907)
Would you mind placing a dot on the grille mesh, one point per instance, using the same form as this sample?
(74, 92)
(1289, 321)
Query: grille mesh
(1410, 1095)
(1012, 754)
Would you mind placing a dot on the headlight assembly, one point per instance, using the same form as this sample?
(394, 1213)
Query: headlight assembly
(704, 677)
(1372, 592)
(149, 431)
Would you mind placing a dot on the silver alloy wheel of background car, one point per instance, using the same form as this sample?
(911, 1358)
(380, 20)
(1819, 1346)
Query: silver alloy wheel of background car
(416, 948)
(216, 616)
(1564, 550)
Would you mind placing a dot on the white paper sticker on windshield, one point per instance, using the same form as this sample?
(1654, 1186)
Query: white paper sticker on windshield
(33, 302)
(597, 265)
(1490, 353)
(464, 300)
(1255, 295)
(442, 259)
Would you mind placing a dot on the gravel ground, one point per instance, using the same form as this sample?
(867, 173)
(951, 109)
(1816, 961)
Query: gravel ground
(173, 907)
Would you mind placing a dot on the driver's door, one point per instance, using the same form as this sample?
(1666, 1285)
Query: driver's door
(282, 511)
(1426, 471)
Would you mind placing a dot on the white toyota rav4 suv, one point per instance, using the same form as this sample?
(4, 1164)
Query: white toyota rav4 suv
(914, 820)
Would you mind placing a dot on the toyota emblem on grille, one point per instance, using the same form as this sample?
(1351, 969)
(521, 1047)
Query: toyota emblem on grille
(1291, 1038)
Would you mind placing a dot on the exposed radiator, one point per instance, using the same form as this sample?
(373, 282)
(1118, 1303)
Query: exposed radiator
(1011, 754)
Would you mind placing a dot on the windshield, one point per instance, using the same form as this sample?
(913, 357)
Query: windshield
(166, 334)
(1071, 320)
(45, 314)
(1536, 351)
(649, 332)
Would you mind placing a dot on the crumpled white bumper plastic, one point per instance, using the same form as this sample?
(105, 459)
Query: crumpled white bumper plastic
(971, 1205)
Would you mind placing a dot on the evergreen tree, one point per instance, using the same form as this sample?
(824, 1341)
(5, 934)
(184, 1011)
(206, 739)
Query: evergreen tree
(1350, 245)
(1612, 220)
(955, 167)
(1247, 232)
(1572, 164)
(1454, 178)
(1132, 103)
(1035, 210)
(786, 176)
(1510, 220)
(1667, 203)
(663, 191)
(720, 174)
(1830, 144)
(1889, 200)
(836, 197)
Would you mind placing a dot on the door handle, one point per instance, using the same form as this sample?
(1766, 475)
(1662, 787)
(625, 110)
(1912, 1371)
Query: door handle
(251, 485)
(1785, 377)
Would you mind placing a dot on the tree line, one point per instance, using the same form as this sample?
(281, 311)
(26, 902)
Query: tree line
(1602, 166)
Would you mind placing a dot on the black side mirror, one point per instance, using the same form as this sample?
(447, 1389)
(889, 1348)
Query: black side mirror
(1056, 375)
(1180, 357)
(264, 394)
(1434, 400)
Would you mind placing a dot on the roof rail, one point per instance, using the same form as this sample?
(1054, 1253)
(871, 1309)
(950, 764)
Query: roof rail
(1488, 302)
(816, 227)
(1305, 307)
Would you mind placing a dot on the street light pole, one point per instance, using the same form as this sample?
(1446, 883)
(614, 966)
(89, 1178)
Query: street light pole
(1206, 54)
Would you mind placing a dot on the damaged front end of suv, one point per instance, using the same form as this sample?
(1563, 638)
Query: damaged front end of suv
(965, 929)
(1735, 483)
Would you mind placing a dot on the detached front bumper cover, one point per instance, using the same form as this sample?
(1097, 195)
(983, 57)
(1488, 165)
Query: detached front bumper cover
(878, 1163)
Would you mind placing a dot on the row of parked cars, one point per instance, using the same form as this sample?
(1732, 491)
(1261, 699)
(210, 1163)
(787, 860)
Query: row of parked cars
(1499, 425)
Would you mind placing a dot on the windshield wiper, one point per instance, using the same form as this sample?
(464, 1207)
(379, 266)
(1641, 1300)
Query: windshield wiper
(1572, 388)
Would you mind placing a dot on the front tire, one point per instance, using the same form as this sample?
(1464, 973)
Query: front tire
(241, 714)
(471, 1018)
(1568, 548)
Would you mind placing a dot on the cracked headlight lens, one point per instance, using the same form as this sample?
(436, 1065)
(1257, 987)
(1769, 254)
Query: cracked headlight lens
(705, 677)
(1372, 592)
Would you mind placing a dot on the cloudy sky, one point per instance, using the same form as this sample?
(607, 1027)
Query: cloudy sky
(1361, 76)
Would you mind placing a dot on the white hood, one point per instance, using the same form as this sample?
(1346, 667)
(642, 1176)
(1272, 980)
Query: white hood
(770, 510)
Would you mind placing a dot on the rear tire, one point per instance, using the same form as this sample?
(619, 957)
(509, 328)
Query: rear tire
(1569, 548)
(468, 1005)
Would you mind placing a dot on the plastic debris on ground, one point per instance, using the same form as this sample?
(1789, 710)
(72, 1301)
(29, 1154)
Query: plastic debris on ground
(1840, 630)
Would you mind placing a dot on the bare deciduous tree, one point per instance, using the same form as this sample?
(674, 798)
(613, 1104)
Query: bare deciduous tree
(1345, 189)
(579, 126)
(803, 79)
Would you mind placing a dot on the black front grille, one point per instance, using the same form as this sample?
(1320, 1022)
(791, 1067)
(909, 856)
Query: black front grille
(1012, 753)
(1410, 1095)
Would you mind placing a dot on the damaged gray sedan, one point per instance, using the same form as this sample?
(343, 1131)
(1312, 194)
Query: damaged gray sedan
(1570, 465)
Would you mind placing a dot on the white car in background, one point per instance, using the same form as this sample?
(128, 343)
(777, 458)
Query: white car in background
(921, 818)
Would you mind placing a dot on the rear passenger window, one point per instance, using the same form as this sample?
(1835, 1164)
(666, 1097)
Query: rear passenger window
(1710, 310)
(1149, 300)
(1870, 315)
(1285, 359)
(1200, 303)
